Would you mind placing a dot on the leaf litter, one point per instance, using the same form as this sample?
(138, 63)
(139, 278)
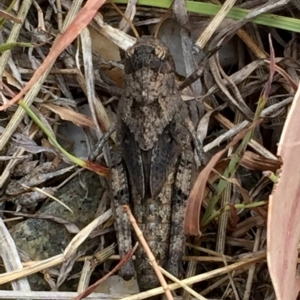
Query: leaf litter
(239, 101)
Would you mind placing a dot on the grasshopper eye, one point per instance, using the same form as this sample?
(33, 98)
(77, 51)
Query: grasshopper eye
(160, 52)
(129, 52)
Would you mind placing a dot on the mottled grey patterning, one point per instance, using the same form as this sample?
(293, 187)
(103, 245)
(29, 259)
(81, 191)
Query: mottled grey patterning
(152, 167)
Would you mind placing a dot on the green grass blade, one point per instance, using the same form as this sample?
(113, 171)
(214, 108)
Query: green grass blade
(235, 13)
(217, 213)
(9, 46)
(50, 135)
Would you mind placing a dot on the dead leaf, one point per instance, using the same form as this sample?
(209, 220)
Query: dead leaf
(70, 115)
(253, 161)
(204, 122)
(284, 211)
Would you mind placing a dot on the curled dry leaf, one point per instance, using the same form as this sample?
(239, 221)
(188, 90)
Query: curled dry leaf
(253, 161)
(204, 122)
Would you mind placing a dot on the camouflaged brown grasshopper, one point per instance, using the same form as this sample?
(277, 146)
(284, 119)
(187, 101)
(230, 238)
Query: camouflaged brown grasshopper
(152, 162)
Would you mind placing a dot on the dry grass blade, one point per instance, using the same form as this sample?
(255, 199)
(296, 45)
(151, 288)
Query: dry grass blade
(11, 258)
(231, 282)
(129, 13)
(186, 44)
(24, 8)
(150, 255)
(223, 220)
(211, 28)
(237, 77)
(91, 263)
(120, 38)
(85, 276)
(252, 268)
(89, 76)
(97, 109)
(37, 267)
(130, 9)
(52, 197)
(37, 295)
(220, 75)
(188, 289)
(85, 232)
(190, 271)
(233, 129)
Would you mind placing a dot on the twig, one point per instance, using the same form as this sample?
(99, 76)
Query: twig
(149, 253)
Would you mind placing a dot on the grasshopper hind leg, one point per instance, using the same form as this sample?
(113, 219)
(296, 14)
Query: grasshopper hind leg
(179, 199)
(120, 197)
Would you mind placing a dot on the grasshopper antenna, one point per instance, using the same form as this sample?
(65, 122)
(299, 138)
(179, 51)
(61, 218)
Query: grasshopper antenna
(128, 20)
(163, 19)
